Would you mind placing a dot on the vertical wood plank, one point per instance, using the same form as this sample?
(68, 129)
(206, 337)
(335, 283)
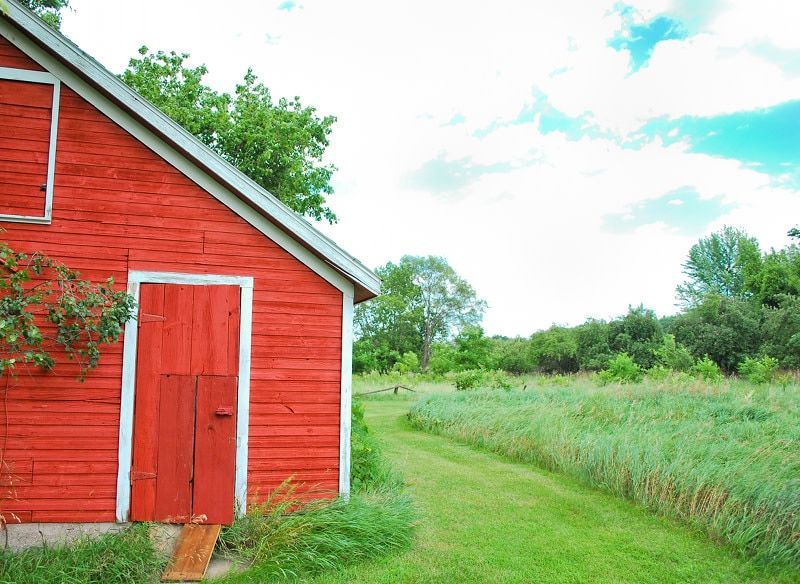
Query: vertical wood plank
(234, 317)
(215, 449)
(177, 342)
(176, 441)
(144, 464)
(211, 330)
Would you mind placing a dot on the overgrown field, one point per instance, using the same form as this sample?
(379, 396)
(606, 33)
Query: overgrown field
(724, 458)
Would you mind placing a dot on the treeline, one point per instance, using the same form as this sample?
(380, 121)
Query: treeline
(738, 304)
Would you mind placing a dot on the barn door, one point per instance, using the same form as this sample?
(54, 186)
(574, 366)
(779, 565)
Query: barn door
(184, 428)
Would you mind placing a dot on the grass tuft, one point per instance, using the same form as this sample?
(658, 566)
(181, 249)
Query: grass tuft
(286, 539)
(126, 557)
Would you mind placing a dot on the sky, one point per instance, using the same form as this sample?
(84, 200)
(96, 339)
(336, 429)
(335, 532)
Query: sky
(563, 156)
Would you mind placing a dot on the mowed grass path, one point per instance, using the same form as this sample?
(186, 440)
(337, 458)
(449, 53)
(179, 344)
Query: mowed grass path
(487, 519)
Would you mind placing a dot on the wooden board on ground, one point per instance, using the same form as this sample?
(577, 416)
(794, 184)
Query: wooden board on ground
(192, 553)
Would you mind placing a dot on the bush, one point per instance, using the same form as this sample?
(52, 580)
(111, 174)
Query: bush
(555, 350)
(673, 355)
(707, 370)
(469, 379)
(658, 373)
(368, 469)
(760, 370)
(499, 379)
(621, 369)
(407, 363)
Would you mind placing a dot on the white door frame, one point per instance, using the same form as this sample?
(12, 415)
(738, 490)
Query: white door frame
(135, 279)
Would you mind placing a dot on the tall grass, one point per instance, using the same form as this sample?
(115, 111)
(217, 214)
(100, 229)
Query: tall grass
(287, 537)
(280, 541)
(127, 557)
(724, 458)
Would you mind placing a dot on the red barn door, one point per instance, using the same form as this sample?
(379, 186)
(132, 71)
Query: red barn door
(184, 428)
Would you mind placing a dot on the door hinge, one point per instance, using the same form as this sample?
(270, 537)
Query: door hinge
(144, 317)
(138, 475)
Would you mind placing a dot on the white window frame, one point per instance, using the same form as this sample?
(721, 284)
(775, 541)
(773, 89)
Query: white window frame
(42, 77)
(135, 280)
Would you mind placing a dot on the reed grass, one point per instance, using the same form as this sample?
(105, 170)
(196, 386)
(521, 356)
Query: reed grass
(724, 458)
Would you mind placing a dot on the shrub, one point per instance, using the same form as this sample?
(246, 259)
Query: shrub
(368, 469)
(499, 379)
(469, 379)
(673, 355)
(658, 373)
(407, 363)
(707, 370)
(760, 370)
(621, 369)
(555, 350)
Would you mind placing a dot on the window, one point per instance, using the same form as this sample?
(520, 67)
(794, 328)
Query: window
(28, 127)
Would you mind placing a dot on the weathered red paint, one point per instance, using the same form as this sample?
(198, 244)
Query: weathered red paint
(118, 207)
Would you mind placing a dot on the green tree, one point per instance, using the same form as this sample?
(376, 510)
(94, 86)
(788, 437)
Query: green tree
(555, 350)
(473, 349)
(48, 10)
(720, 264)
(638, 334)
(280, 145)
(423, 300)
(725, 329)
(778, 276)
(512, 355)
(593, 349)
(780, 331)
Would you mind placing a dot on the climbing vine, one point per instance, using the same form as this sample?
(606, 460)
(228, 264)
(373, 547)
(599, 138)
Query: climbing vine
(46, 309)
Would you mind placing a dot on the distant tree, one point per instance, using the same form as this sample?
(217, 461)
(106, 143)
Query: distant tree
(719, 264)
(555, 350)
(592, 339)
(423, 300)
(780, 331)
(512, 355)
(726, 329)
(794, 232)
(278, 145)
(48, 10)
(473, 349)
(638, 334)
(778, 276)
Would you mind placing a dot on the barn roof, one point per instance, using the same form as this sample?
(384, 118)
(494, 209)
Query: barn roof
(366, 283)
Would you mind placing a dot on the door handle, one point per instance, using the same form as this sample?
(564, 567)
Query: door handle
(224, 411)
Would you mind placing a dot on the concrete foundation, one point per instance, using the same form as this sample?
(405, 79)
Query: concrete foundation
(21, 536)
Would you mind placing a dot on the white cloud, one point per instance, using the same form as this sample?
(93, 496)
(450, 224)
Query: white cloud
(530, 234)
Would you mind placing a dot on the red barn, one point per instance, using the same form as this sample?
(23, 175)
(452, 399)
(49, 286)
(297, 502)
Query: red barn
(236, 374)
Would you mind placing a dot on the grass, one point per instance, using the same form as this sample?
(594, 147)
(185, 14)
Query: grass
(282, 545)
(487, 519)
(127, 557)
(285, 539)
(722, 458)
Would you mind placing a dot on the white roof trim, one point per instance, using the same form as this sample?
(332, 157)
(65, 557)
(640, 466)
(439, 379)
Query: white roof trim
(244, 187)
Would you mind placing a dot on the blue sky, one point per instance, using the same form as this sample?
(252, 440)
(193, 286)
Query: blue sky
(563, 165)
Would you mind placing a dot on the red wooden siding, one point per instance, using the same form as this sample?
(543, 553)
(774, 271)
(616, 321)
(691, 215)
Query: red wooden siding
(118, 207)
(25, 114)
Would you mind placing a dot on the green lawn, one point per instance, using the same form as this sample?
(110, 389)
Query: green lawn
(487, 519)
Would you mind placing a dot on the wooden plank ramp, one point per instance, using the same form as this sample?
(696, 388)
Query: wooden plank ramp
(192, 553)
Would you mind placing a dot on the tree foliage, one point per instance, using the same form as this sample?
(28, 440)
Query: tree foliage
(46, 308)
(721, 264)
(48, 10)
(280, 145)
(423, 300)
